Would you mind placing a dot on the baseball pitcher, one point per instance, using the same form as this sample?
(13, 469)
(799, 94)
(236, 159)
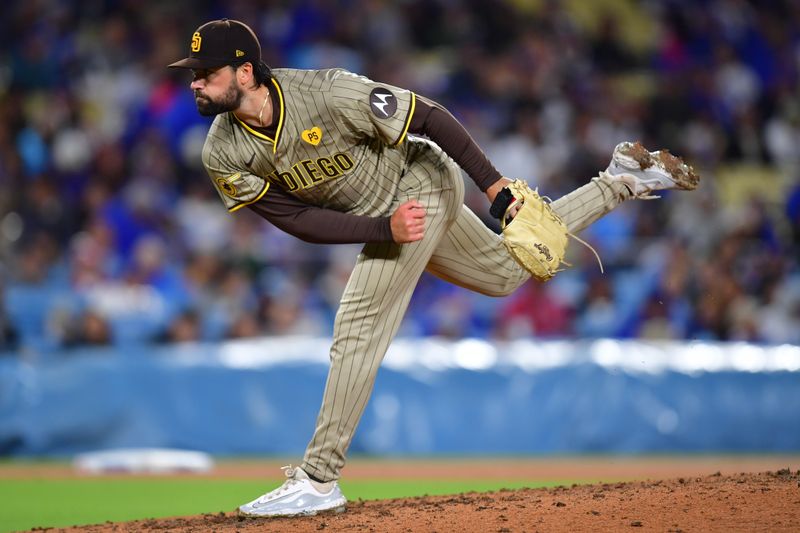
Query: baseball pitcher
(333, 157)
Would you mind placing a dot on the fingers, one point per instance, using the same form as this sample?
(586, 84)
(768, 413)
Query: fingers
(414, 207)
(513, 210)
(415, 223)
(408, 222)
(414, 235)
(417, 213)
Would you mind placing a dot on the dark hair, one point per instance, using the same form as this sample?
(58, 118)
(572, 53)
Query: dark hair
(262, 73)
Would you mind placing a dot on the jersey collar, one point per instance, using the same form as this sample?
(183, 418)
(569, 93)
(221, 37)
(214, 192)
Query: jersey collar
(279, 129)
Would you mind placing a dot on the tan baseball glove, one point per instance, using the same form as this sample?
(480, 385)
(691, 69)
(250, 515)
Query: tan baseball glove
(536, 237)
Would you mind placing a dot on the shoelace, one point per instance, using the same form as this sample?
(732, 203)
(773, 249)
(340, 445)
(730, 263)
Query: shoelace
(644, 195)
(289, 471)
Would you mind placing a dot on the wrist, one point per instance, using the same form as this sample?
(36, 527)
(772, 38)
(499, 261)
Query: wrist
(385, 231)
(496, 187)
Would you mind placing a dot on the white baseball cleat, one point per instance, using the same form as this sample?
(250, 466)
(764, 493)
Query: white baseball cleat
(298, 496)
(644, 172)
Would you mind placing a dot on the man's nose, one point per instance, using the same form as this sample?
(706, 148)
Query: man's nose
(196, 84)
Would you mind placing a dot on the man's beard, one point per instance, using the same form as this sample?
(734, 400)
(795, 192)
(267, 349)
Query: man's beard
(227, 102)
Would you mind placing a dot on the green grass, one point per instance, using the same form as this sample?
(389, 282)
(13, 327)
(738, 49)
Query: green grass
(25, 504)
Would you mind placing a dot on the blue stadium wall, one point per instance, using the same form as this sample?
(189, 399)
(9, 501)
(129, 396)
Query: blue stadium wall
(431, 397)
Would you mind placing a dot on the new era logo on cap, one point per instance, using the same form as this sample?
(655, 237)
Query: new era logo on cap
(221, 42)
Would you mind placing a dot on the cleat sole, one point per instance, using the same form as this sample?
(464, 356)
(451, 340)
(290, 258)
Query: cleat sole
(333, 510)
(682, 174)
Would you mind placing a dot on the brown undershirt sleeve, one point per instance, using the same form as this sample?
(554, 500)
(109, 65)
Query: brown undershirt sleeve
(318, 225)
(435, 122)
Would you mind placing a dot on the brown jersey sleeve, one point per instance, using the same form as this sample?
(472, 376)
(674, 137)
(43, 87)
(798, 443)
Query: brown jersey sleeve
(318, 225)
(435, 122)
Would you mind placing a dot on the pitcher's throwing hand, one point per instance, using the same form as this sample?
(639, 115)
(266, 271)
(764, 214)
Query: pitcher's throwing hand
(408, 222)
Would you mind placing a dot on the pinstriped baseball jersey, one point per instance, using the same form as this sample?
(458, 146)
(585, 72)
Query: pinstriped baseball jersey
(338, 144)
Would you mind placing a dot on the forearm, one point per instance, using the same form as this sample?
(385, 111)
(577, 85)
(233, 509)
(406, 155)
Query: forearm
(435, 122)
(318, 225)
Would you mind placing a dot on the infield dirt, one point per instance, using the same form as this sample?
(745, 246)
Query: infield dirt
(766, 501)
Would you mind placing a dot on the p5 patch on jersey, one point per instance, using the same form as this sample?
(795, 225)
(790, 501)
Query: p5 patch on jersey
(382, 102)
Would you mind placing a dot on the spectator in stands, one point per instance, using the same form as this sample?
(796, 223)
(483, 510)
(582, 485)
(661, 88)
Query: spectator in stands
(101, 197)
(9, 338)
(185, 327)
(87, 329)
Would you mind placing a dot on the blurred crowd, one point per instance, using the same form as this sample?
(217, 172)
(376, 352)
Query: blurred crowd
(111, 234)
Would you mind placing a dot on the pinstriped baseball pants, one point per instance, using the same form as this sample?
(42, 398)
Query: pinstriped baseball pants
(458, 248)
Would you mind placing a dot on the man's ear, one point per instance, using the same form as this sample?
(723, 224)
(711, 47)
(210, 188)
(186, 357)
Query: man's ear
(244, 73)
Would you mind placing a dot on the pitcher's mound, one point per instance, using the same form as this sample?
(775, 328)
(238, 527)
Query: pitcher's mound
(744, 502)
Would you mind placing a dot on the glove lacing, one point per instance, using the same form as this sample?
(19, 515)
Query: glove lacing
(589, 246)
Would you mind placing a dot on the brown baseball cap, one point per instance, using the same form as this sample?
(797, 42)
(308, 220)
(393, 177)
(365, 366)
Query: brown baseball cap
(221, 42)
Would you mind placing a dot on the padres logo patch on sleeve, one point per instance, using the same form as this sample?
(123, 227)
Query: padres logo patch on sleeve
(226, 185)
(382, 102)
